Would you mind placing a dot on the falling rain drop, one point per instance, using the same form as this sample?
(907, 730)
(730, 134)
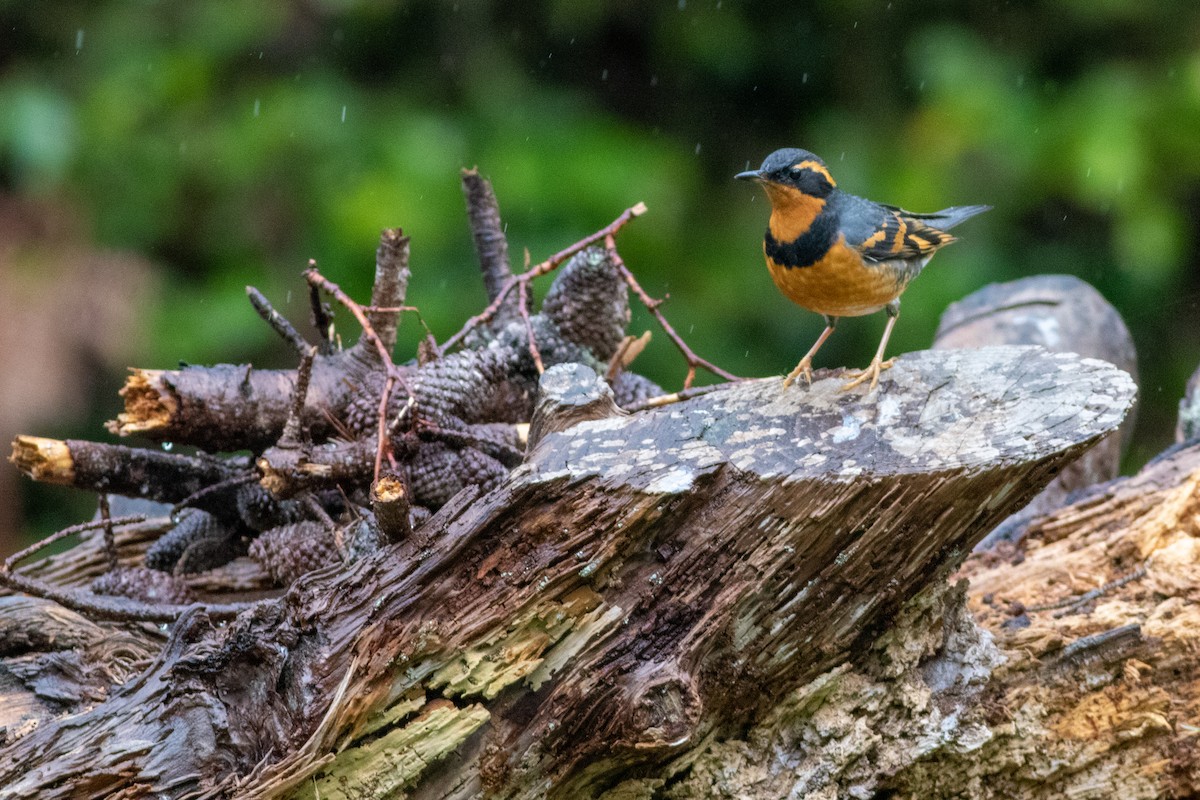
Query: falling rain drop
(804, 78)
(343, 113)
(78, 40)
(697, 148)
(604, 75)
(257, 105)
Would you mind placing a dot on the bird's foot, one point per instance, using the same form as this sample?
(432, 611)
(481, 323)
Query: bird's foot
(803, 368)
(872, 372)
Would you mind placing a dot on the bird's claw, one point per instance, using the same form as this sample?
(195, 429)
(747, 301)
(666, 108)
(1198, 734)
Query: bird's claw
(872, 372)
(804, 368)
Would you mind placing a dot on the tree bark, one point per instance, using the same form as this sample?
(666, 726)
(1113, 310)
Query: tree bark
(744, 594)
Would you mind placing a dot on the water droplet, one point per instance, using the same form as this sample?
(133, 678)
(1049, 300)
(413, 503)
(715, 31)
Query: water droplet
(168, 446)
(257, 106)
(343, 113)
(804, 78)
(697, 148)
(78, 40)
(603, 74)
(682, 4)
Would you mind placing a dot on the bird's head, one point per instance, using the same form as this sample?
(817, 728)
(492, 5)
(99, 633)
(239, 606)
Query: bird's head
(791, 170)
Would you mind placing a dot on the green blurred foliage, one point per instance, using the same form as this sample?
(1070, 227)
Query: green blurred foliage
(232, 141)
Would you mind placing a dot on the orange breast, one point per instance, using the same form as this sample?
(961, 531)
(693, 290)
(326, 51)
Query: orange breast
(840, 284)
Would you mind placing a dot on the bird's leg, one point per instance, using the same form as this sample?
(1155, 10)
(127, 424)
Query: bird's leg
(877, 365)
(805, 366)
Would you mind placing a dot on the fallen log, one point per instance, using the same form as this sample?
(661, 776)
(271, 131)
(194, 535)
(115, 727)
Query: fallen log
(627, 610)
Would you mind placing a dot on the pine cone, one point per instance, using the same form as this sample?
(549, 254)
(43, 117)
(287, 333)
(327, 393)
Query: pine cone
(147, 585)
(259, 509)
(289, 551)
(589, 303)
(629, 389)
(206, 541)
(438, 471)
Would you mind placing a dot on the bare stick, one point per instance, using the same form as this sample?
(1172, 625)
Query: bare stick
(541, 269)
(1069, 605)
(674, 397)
(110, 538)
(383, 440)
(276, 320)
(652, 305)
(523, 308)
(390, 287)
(21, 555)
(394, 376)
(292, 429)
(483, 213)
(316, 279)
(211, 489)
(116, 609)
(322, 321)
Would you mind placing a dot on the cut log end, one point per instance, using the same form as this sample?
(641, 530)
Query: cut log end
(46, 460)
(149, 404)
(392, 507)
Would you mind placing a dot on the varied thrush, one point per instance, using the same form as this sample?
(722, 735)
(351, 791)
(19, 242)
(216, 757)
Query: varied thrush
(841, 255)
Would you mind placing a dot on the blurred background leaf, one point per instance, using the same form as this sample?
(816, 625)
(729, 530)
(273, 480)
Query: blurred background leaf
(226, 143)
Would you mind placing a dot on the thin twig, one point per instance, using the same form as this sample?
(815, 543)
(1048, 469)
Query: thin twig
(277, 321)
(293, 429)
(211, 489)
(117, 610)
(110, 538)
(652, 305)
(19, 556)
(541, 269)
(314, 505)
(1070, 605)
(523, 308)
(383, 439)
(322, 321)
(390, 286)
(674, 397)
(394, 375)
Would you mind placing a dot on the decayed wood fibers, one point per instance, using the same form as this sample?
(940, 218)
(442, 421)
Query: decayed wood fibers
(642, 583)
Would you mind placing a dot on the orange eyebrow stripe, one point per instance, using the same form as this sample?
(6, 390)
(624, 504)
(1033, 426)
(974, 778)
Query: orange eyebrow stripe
(815, 167)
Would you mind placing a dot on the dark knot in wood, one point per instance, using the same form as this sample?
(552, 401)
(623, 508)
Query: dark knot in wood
(665, 709)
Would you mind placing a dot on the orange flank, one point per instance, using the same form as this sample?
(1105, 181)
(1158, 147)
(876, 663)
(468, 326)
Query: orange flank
(840, 284)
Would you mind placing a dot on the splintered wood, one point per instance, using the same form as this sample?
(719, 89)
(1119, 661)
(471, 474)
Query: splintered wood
(646, 595)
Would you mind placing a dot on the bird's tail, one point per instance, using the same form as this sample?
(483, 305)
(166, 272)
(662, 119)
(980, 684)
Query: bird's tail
(947, 218)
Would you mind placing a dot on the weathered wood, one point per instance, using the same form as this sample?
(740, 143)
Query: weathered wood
(1063, 314)
(1188, 426)
(642, 589)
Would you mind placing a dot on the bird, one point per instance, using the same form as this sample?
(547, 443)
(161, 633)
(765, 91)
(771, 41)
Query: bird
(841, 255)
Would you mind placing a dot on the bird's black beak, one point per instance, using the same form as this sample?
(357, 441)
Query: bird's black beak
(752, 175)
